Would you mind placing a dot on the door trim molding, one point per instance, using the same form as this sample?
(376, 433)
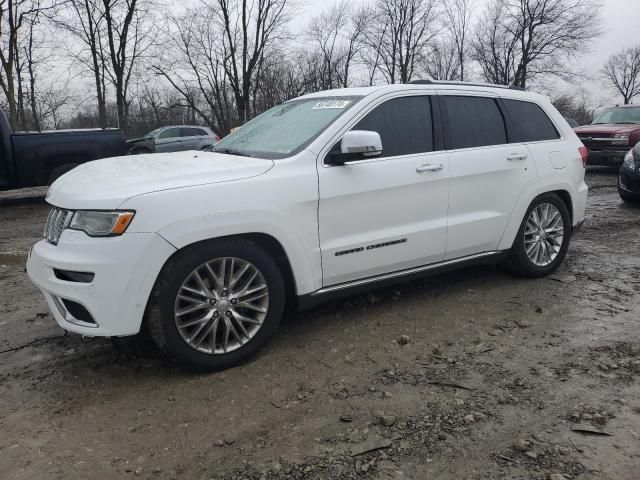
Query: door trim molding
(402, 273)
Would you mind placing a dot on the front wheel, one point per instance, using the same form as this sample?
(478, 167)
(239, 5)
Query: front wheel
(543, 238)
(216, 304)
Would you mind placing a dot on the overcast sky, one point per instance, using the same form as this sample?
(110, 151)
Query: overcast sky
(620, 23)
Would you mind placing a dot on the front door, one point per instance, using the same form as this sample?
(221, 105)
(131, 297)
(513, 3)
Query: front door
(169, 140)
(387, 213)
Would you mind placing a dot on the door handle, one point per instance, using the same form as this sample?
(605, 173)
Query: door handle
(517, 156)
(429, 167)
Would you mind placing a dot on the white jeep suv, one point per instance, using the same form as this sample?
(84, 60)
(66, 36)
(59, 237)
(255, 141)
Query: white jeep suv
(319, 196)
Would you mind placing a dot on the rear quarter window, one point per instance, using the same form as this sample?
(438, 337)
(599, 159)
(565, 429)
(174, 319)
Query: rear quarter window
(531, 123)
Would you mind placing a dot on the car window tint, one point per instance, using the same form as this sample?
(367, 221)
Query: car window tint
(201, 133)
(531, 122)
(189, 132)
(404, 124)
(474, 122)
(170, 133)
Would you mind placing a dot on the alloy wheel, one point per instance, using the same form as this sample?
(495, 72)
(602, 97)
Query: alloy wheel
(544, 234)
(221, 305)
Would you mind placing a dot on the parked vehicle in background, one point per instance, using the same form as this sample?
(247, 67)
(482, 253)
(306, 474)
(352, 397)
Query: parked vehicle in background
(611, 134)
(629, 176)
(324, 195)
(30, 159)
(174, 139)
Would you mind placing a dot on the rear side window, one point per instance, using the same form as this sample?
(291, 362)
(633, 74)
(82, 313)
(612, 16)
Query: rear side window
(474, 122)
(405, 125)
(531, 122)
(192, 132)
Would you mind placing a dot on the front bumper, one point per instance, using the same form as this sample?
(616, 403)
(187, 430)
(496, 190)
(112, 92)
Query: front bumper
(125, 269)
(608, 157)
(629, 182)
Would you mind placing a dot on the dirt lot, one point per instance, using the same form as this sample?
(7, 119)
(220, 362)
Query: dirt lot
(469, 375)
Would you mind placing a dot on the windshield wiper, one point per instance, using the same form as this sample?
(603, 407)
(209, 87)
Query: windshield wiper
(626, 123)
(231, 151)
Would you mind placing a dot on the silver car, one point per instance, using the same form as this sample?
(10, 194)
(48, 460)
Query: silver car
(174, 139)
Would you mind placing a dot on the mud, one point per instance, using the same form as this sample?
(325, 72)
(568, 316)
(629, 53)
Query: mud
(469, 375)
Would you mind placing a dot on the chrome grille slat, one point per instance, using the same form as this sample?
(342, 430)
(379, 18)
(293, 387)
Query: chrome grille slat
(57, 221)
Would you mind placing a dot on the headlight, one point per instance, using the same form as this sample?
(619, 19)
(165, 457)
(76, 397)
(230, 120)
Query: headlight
(101, 224)
(629, 161)
(621, 138)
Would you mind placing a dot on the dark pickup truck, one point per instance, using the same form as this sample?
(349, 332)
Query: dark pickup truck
(29, 159)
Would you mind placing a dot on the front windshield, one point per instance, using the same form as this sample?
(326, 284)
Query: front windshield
(286, 129)
(619, 115)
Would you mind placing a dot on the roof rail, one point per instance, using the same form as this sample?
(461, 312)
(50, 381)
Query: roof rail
(470, 84)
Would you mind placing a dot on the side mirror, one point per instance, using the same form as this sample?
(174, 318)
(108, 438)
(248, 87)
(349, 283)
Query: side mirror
(355, 145)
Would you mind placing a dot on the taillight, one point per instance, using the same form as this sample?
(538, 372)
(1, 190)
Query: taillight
(584, 154)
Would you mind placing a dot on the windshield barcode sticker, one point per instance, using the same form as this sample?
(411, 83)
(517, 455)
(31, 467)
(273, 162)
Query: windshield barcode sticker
(329, 104)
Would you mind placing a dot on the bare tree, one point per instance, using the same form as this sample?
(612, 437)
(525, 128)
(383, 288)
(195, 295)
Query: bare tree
(197, 71)
(248, 28)
(114, 37)
(494, 47)
(337, 36)
(580, 106)
(83, 19)
(518, 40)
(458, 22)
(17, 21)
(442, 61)
(398, 35)
(622, 72)
(129, 33)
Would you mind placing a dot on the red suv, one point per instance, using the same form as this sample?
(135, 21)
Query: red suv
(611, 135)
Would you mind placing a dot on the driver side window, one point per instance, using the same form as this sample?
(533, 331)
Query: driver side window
(405, 125)
(170, 133)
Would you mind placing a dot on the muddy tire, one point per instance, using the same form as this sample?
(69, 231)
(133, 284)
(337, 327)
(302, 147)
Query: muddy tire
(216, 304)
(543, 238)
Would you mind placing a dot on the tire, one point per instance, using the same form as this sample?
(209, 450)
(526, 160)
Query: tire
(633, 200)
(519, 262)
(163, 312)
(59, 171)
(139, 151)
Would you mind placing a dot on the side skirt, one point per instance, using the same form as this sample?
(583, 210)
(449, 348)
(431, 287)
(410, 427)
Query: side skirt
(355, 287)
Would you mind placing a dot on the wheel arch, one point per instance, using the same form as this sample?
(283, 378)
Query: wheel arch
(517, 216)
(269, 243)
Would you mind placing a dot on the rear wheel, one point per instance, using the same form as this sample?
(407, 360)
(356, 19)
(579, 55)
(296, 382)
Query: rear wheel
(543, 238)
(216, 304)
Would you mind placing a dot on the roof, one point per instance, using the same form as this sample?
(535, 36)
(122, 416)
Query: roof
(499, 90)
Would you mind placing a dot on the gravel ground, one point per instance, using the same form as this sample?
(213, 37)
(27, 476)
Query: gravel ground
(468, 375)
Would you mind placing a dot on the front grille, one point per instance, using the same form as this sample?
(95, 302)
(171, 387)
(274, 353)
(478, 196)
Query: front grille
(57, 221)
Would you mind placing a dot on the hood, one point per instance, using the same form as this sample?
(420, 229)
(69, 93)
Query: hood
(106, 183)
(606, 129)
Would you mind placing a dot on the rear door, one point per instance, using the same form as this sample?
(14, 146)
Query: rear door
(387, 213)
(192, 138)
(169, 140)
(488, 174)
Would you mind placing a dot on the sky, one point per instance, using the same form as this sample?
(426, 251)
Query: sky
(620, 25)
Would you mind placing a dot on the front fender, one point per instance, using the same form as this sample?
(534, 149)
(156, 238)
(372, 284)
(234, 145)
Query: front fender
(305, 264)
